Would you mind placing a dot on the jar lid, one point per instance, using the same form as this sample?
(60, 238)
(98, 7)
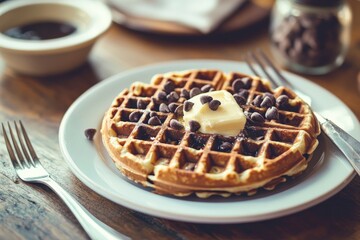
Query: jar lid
(320, 3)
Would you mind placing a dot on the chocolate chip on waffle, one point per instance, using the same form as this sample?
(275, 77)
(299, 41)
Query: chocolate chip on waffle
(164, 155)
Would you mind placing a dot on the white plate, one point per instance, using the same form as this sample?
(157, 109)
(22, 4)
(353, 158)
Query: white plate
(327, 175)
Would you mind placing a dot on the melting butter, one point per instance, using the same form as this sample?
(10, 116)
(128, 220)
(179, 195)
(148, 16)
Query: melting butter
(228, 120)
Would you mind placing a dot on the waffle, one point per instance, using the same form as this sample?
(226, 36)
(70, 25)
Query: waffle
(181, 162)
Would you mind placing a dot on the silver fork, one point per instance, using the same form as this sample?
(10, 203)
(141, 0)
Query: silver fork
(348, 145)
(29, 169)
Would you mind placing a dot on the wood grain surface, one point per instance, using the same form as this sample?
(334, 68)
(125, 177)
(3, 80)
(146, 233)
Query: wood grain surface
(29, 211)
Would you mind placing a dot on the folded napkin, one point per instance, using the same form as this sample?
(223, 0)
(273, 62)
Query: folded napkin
(204, 15)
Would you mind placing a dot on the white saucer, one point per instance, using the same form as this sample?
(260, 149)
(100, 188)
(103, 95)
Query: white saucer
(327, 175)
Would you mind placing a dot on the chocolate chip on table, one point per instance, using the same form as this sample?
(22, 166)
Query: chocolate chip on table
(266, 102)
(184, 93)
(173, 97)
(205, 99)
(162, 95)
(90, 133)
(188, 106)
(225, 146)
(154, 121)
(239, 99)
(272, 113)
(141, 104)
(195, 91)
(257, 117)
(169, 87)
(282, 101)
(237, 85)
(206, 88)
(164, 108)
(257, 101)
(134, 116)
(172, 107)
(214, 104)
(176, 124)
(194, 125)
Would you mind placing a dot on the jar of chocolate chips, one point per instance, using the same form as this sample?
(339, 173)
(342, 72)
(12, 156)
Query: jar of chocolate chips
(310, 36)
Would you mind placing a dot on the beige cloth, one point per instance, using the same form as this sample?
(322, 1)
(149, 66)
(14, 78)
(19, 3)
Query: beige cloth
(203, 15)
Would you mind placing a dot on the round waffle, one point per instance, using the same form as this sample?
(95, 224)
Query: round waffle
(137, 133)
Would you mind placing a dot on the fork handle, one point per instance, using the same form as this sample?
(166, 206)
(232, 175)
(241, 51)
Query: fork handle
(348, 145)
(94, 227)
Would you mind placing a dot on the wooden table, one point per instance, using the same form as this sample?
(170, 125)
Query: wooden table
(29, 211)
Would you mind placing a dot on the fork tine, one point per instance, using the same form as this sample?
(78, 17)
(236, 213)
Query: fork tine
(284, 81)
(20, 157)
(12, 155)
(256, 59)
(29, 145)
(28, 159)
(246, 57)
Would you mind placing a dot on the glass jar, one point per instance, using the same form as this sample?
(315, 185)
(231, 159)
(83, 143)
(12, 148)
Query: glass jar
(310, 36)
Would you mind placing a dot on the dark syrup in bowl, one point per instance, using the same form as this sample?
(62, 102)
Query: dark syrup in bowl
(44, 30)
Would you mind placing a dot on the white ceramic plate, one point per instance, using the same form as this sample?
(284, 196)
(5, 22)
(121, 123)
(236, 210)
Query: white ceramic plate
(328, 173)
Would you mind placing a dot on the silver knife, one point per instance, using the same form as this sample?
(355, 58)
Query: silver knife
(348, 145)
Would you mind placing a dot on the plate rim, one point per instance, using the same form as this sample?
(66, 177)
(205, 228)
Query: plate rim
(164, 214)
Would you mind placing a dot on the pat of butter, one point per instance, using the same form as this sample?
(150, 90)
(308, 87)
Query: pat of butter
(228, 120)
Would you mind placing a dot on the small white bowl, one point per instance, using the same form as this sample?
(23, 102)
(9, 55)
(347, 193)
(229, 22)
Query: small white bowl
(49, 57)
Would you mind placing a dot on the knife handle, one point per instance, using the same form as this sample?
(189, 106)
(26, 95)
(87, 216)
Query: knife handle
(348, 145)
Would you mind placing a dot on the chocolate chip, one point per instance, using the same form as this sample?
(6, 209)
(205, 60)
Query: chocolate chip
(162, 95)
(173, 97)
(185, 94)
(257, 101)
(266, 102)
(172, 107)
(194, 125)
(243, 93)
(205, 99)
(90, 133)
(271, 96)
(282, 100)
(257, 117)
(206, 88)
(214, 104)
(179, 111)
(237, 85)
(176, 124)
(153, 114)
(134, 116)
(247, 82)
(154, 121)
(164, 108)
(247, 114)
(272, 113)
(169, 87)
(189, 166)
(188, 105)
(239, 99)
(141, 104)
(195, 91)
(225, 146)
